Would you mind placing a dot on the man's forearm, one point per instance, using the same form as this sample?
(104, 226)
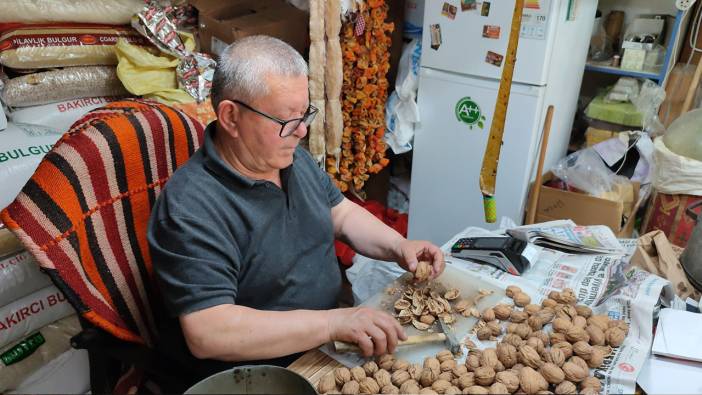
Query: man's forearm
(368, 235)
(237, 333)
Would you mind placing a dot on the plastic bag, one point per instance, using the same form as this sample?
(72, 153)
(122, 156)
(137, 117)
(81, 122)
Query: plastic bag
(675, 174)
(151, 76)
(684, 136)
(113, 12)
(401, 111)
(586, 171)
(648, 102)
(600, 45)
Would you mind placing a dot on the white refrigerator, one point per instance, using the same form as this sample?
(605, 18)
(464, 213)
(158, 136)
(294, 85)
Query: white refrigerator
(463, 49)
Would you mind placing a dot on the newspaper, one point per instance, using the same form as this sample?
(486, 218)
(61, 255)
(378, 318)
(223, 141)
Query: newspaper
(569, 238)
(605, 283)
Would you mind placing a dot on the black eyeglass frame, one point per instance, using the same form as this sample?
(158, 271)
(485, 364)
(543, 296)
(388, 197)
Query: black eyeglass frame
(308, 118)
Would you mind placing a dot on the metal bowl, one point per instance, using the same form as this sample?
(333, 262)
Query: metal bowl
(258, 379)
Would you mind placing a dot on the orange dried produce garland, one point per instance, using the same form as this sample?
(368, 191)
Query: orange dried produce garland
(366, 61)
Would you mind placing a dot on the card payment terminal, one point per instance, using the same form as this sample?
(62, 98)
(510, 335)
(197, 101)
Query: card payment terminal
(505, 253)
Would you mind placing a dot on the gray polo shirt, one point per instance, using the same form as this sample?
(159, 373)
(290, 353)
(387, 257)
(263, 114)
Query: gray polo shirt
(217, 237)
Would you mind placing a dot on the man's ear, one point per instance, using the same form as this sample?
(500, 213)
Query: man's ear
(228, 117)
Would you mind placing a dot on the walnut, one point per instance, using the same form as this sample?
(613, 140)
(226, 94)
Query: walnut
(466, 380)
(605, 350)
(386, 361)
(576, 334)
(536, 344)
(552, 373)
(440, 386)
(589, 391)
(512, 290)
(382, 377)
(368, 386)
(518, 316)
(488, 315)
(497, 388)
(529, 357)
(342, 375)
(351, 388)
(566, 311)
(541, 335)
(597, 337)
(444, 355)
(601, 321)
(521, 299)
(591, 382)
(484, 375)
(499, 367)
(531, 381)
(472, 362)
(415, 370)
(476, 390)
(566, 388)
(400, 364)
(358, 374)
(583, 311)
(596, 358)
(535, 323)
(370, 367)
(399, 377)
(507, 354)
(428, 391)
(516, 368)
(502, 311)
(410, 387)
(495, 327)
(546, 315)
(621, 324)
(391, 389)
(509, 379)
(561, 325)
(427, 319)
(452, 390)
(462, 305)
(555, 356)
(579, 361)
(614, 336)
(555, 337)
(484, 333)
(513, 339)
(427, 377)
(489, 357)
(448, 365)
(580, 322)
(565, 347)
(446, 376)
(521, 330)
(548, 302)
(423, 271)
(574, 372)
(327, 383)
(582, 349)
(567, 296)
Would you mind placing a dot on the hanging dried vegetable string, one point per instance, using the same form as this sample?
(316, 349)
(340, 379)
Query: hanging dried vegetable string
(365, 44)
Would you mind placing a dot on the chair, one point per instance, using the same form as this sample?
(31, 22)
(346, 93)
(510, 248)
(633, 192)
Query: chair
(84, 215)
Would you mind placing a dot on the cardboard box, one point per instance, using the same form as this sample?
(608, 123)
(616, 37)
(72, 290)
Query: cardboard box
(584, 209)
(222, 22)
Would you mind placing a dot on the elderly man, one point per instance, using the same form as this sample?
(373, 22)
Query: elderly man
(242, 235)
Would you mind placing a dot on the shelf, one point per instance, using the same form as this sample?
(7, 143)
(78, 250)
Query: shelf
(618, 71)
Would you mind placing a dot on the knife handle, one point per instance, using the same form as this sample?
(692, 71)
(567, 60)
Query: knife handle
(343, 347)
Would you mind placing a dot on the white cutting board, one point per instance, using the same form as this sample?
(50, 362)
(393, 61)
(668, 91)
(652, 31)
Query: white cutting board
(466, 282)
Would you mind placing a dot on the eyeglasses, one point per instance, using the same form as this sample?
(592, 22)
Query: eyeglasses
(286, 127)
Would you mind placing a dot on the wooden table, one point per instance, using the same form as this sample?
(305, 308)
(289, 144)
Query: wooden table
(313, 365)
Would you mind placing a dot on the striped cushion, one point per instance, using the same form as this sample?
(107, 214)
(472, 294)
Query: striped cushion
(84, 212)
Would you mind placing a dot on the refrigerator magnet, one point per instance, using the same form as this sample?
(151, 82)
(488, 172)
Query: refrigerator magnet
(494, 58)
(491, 31)
(485, 9)
(435, 31)
(467, 5)
(449, 11)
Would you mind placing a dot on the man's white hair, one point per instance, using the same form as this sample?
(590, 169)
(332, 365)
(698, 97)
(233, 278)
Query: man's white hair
(243, 66)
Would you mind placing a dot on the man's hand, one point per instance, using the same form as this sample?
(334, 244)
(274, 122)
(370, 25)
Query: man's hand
(410, 252)
(375, 332)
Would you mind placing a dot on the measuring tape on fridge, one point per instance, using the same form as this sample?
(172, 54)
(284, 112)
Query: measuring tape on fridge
(488, 173)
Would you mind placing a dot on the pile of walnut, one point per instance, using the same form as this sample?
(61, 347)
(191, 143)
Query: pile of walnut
(527, 360)
(422, 305)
